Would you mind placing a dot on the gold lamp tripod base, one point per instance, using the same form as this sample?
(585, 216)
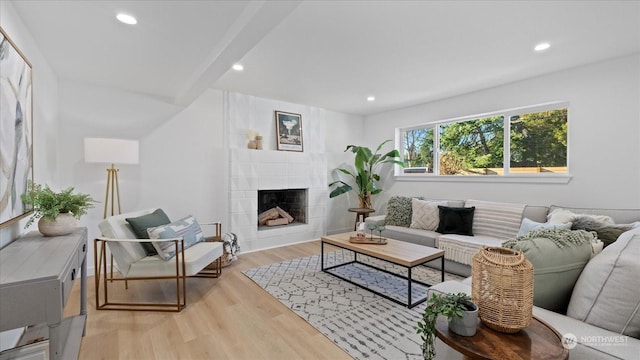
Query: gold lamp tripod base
(112, 184)
(113, 192)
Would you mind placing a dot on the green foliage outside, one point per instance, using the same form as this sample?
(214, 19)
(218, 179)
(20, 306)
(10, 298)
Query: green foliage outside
(536, 140)
(539, 139)
(49, 204)
(418, 148)
(473, 144)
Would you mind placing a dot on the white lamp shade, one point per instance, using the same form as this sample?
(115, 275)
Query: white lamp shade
(110, 151)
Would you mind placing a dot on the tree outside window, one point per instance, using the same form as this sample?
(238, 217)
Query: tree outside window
(523, 141)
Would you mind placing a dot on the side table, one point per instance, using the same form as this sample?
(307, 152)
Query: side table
(361, 214)
(537, 341)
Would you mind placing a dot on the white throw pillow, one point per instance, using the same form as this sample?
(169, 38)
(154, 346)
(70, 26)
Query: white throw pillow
(425, 214)
(563, 216)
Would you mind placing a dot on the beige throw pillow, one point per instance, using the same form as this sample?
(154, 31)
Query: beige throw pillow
(425, 214)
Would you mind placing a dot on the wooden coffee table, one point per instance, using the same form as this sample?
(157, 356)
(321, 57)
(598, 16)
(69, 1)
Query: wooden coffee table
(397, 252)
(537, 341)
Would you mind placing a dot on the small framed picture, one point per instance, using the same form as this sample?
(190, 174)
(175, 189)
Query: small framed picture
(289, 131)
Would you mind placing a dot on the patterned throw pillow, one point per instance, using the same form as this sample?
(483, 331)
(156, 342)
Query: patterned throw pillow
(398, 211)
(187, 228)
(425, 214)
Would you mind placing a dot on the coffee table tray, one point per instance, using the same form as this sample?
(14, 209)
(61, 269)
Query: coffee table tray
(368, 240)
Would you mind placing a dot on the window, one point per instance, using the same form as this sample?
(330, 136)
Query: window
(418, 151)
(525, 141)
(472, 147)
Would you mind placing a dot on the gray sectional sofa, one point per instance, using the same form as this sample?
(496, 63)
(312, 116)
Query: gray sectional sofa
(533, 212)
(603, 315)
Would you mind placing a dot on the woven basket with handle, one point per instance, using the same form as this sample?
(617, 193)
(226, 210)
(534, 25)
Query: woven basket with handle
(502, 286)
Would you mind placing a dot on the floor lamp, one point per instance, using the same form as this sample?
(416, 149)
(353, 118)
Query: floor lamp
(111, 151)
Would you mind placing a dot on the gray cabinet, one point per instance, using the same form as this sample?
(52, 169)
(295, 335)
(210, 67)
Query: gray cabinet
(36, 277)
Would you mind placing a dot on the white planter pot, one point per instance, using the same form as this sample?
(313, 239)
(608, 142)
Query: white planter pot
(62, 225)
(467, 324)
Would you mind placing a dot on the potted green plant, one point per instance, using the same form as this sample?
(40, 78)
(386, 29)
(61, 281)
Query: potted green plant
(366, 175)
(461, 312)
(57, 211)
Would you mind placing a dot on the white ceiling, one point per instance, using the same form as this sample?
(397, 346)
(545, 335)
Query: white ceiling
(330, 54)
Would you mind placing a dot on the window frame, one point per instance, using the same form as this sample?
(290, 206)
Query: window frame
(508, 176)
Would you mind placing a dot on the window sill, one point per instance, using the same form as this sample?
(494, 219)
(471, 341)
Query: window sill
(521, 179)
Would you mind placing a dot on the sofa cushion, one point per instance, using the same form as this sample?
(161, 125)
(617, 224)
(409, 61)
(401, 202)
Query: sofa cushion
(425, 214)
(558, 257)
(415, 236)
(592, 342)
(529, 225)
(187, 228)
(140, 224)
(456, 220)
(462, 248)
(399, 211)
(196, 258)
(607, 294)
(497, 219)
(116, 227)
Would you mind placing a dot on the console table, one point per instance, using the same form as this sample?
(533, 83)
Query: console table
(36, 277)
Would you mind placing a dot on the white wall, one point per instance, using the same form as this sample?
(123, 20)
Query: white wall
(604, 136)
(45, 119)
(182, 163)
(45, 110)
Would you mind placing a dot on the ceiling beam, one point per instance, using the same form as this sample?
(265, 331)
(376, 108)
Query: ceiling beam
(254, 23)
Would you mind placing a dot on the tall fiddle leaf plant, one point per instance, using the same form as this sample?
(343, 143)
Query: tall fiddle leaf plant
(366, 176)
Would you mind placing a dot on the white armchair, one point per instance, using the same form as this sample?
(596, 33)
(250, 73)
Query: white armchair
(203, 259)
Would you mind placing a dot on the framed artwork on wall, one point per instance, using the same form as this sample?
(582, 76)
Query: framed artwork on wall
(289, 131)
(16, 130)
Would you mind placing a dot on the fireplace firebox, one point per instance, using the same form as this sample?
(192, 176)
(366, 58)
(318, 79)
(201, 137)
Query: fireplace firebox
(281, 207)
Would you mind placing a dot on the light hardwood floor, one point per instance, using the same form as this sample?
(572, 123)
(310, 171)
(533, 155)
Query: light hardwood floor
(226, 318)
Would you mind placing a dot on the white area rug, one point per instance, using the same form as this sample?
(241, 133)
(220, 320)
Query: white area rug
(365, 325)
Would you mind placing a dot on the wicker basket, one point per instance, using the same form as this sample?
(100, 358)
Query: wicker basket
(502, 286)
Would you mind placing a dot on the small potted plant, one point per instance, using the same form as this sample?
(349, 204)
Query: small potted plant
(57, 211)
(459, 309)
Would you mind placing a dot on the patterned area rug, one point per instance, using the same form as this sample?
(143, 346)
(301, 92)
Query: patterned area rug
(365, 325)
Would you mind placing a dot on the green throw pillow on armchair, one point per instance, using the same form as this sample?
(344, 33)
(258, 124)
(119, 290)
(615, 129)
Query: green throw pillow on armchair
(558, 257)
(140, 224)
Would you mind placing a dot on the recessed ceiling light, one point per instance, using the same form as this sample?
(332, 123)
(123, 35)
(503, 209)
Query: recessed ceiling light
(542, 46)
(127, 19)
(237, 67)
(371, 98)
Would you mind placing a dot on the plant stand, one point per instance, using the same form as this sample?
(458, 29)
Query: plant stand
(361, 214)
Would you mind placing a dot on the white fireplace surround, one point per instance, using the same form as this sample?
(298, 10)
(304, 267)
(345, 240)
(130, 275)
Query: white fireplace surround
(253, 170)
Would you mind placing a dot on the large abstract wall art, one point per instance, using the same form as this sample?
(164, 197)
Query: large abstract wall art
(16, 130)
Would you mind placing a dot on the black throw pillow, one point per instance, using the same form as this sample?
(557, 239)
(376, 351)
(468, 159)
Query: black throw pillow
(456, 220)
(140, 224)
